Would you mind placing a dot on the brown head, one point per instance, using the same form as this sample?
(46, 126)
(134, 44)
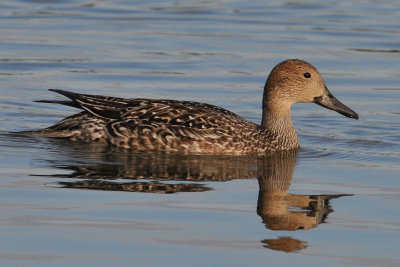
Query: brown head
(296, 81)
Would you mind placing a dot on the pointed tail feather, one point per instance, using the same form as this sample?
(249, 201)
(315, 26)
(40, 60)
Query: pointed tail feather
(66, 103)
(100, 106)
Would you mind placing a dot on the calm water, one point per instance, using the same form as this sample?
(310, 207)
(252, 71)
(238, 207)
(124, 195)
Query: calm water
(335, 203)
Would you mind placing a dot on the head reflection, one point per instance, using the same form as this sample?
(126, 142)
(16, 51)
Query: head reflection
(281, 210)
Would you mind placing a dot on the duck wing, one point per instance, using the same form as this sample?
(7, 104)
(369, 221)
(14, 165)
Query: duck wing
(151, 124)
(171, 125)
(187, 114)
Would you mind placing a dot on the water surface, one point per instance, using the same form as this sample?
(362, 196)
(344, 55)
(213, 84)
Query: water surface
(334, 203)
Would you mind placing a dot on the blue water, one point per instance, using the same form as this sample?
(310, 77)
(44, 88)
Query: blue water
(64, 203)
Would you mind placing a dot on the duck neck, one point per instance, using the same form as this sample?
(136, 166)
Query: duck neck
(280, 124)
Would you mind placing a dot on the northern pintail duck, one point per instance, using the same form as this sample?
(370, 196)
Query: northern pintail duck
(192, 127)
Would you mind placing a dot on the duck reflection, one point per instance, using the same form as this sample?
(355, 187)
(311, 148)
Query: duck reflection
(167, 174)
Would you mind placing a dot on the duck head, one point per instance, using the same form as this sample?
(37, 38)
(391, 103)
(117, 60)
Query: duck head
(296, 81)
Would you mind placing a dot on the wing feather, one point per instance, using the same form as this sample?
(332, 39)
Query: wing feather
(154, 112)
(101, 106)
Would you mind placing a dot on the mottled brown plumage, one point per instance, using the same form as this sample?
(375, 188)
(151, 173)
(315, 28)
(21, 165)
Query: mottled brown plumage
(192, 127)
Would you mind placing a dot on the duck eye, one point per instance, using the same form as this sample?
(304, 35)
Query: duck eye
(307, 75)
